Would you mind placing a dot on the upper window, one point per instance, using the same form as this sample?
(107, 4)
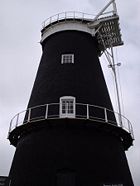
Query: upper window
(67, 58)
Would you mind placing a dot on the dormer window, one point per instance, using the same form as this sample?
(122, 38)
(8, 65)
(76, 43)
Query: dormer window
(67, 58)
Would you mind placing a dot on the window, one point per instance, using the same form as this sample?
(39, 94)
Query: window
(67, 107)
(67, 58)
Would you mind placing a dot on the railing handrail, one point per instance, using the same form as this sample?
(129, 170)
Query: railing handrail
(15, 121)
(68, 15)
(72, 15)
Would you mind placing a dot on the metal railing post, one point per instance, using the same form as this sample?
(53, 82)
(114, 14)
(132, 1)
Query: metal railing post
(46, 113)
(74, 15)
(105, 112)
(43, 24)
(87, 111)
(82, 16)
(9, 182)
(10, 127)
(132, 132)
(50, 20)
(29, 114)
(57, 17)
(129, 129)
(17, 120)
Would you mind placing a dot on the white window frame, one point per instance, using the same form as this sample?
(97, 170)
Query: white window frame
(67, 114)
(67, 58)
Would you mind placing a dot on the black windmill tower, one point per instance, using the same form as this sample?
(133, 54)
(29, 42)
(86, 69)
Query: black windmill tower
(70, 135)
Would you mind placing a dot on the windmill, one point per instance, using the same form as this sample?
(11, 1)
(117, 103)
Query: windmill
(70, 134)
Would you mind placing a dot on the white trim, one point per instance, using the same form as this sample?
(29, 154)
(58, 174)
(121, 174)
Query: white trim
(66, 25)
(66, 110)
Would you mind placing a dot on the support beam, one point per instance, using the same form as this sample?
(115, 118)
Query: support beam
(103, 10)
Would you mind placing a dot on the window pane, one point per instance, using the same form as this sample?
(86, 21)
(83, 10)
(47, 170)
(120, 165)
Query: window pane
(67, 58)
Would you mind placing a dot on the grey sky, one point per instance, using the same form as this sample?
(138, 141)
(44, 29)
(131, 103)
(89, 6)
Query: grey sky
(20, 52)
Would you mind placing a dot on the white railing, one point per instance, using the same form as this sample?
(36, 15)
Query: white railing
(82, 111)
(68, 15)
(76, 16)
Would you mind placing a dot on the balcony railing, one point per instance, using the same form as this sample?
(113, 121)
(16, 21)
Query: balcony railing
(106, 25)
(82, 111)
(67, 15)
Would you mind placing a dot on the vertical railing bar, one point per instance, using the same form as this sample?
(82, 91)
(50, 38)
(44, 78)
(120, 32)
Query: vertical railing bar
(130, 129)
(87, 111)
(50, 20)
(82, 16)
(17, 120)
(123, 122)
(65, 16)
(62, 15)
(74, 14)
(105, 112)
(46, 113)
(57, 17)
(9, 182)
(129, 126)
(10, 128)
(132, 132)
(43, 24)
(29, 114)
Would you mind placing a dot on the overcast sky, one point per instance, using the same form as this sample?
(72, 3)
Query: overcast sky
(20, 52)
